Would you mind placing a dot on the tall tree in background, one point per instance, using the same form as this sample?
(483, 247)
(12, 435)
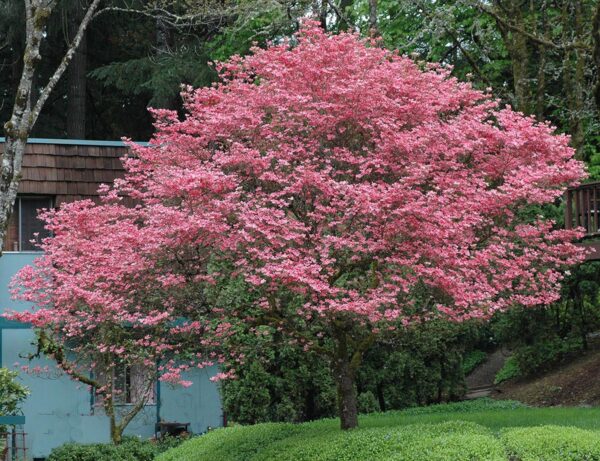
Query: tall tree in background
(77, 78)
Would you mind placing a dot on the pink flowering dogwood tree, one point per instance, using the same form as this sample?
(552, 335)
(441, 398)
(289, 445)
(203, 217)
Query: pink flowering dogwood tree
(349, 189)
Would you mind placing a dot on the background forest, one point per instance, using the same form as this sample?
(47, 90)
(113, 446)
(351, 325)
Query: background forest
(541, 57)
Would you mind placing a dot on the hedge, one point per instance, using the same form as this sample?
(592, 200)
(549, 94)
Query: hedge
(449, 441)
(551, 443)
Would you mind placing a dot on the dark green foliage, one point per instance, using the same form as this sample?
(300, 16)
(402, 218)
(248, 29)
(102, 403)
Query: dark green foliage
(510, 370)
(543, 354)
(420, 365)
(541, 338)
(367, 403)
(472, 360)
(159, 77)
(131, 449)
(291, 386)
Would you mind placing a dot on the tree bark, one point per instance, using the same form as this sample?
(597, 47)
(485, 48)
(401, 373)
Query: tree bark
(381, 397)
(346, 390)
(519, 51)
(577, 109)
(540, 90)
(76, 108)
(373, 25)
(596, 53)
(116, 432)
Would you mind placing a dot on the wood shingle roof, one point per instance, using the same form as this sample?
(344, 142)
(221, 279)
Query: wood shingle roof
(69, 170)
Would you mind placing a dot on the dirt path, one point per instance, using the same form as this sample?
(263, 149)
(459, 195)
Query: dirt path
(481, 381)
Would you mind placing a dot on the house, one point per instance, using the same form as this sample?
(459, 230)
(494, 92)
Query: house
(60, 410)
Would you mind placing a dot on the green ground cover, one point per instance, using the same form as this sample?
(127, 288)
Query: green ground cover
(476, 430)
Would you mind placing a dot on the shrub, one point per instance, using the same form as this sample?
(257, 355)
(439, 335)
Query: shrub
(423, 365)
(472, 360)
(132, 449)
(81, 452)
(230, 444)
(367, 403)
(551, 443)
(12, 394)
(510, 370)
(546, 353)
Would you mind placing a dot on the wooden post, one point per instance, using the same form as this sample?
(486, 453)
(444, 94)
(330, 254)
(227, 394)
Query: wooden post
(595, 209)
(569, 210)
(588, 203)
(578, 220)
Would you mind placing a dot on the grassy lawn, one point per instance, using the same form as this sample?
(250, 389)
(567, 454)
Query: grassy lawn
(494, 415)
(476, 430)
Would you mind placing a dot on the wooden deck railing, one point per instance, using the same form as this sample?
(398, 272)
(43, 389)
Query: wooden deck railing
(583, 208)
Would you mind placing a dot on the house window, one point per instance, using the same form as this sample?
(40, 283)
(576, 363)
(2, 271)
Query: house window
(134, 382)
(24, 224)
(131, 383)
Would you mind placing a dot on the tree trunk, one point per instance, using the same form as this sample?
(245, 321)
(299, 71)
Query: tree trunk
(345, 374)
(323, 14)
(520, 63)
(346, 389)
(596, 53)
(517, 46)
(578, 81)
(381, 397)
(373, 26)
(116, 431)
(540, 91)
(77, 79)
(12, 158)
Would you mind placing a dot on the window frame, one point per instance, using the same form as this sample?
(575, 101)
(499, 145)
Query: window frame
(126, 395)
(19, 219)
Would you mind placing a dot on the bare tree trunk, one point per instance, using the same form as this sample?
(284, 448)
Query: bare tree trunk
(596, 53)
(577, 115)
(373, 26)
(77, 78)
(509, 20)
(25, 111)
(323, 14)
(520, 62)
(346, 390)
(540, 90)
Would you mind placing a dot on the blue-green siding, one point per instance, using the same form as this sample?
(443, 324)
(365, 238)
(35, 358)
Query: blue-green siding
(59, 410)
